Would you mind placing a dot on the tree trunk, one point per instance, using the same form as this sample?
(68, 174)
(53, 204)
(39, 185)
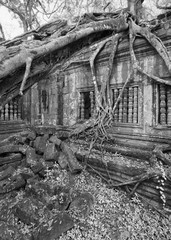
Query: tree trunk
(134, 7)
(15, 56)
(10, 64)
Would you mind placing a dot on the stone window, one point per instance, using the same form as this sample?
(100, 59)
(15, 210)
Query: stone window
(127, 109)
(162, 104)
(86, 105)
(11, 111)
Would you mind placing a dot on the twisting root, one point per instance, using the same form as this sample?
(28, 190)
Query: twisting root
(122, 90)
(154, 78)
(133, 67)
(92, 59)
(104, 111)
(105, 91)
(157, 44)
(154, 41)
(26, 74)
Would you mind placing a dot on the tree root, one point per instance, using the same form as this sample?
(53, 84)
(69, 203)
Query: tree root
(98, 96)
(161, 156)
(154, 41)
(105, 84)
(90, 123)
(122, 91)
(27, 72)
(134, 189)
(154, 78)
(138, 179)
(104, 111)
(153, 206)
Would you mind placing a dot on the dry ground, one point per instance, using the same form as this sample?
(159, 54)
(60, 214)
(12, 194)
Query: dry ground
(112, 216)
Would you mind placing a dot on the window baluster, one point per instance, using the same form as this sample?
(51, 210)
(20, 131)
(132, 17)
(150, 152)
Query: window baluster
(130, 105)
(120, 108)
(15, 110)
(135, 105)
(125, 106)
(18, 109)
(169, 105)
(6, 112)
(162, 105)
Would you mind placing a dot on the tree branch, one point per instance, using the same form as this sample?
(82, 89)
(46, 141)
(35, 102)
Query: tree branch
(155, 42)
(162, 7)
(27, 72)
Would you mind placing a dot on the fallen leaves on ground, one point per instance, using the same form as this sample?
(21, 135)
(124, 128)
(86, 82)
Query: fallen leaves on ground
(111, 214)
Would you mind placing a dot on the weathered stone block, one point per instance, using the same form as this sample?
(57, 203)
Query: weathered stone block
(10, 148)
(51, 153)
(25, 133)
(63, 198)
(23, 149)
(82, 203)
(7, 173)
(62, 161)
(11, 158)
(26, 210)
(40, 143)
(39, 190)
(31, 135)
(62, 223)
(14, 139)
(73, 164)
(38, 167)
(42, 173)
(31, 157)
(54, 139)
(25, 172)
(31, 143)
(10, 232)
(12, 183)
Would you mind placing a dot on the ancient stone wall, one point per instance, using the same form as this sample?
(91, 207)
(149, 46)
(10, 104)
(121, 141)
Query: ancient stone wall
(145, 109)
(46, 98)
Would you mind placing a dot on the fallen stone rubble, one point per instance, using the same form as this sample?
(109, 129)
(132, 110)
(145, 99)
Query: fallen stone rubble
(25, 161)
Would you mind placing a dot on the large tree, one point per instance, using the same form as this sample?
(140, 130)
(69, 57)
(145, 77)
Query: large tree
(31, 13)
(165, 4)
(24, 62)
(28, 11)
